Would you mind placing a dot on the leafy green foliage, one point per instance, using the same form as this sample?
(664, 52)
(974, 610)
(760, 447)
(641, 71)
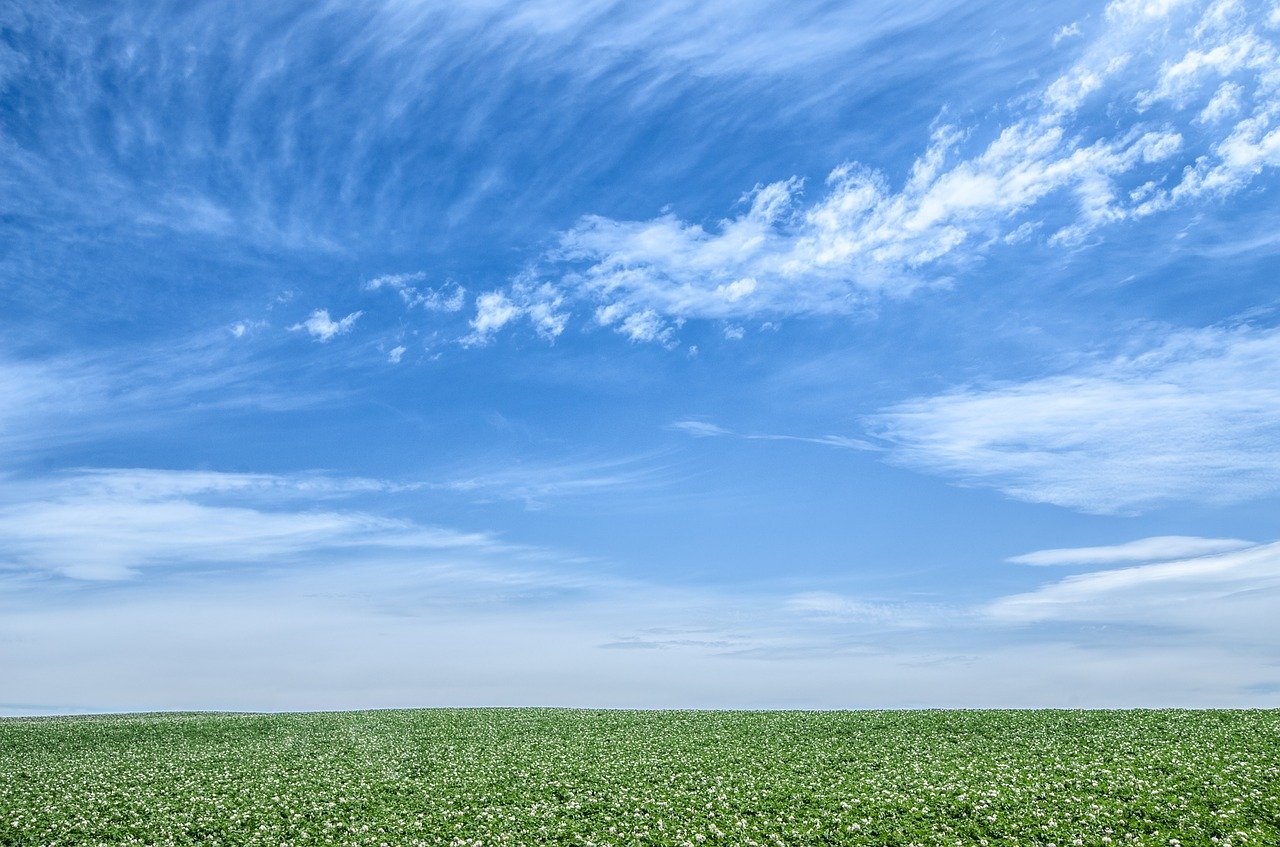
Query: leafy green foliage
(532, 776)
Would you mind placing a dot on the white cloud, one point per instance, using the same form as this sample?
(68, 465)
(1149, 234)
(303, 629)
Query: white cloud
(1164, 547)
(95, 539)
(48, 403)
(703, 429)
(534, 483)
(494, 310)
(1194, 418)
(113, 524)
(110, 525)
(863, 238)
(1229, 594)
(830, 606)
(664, 37)
(396, 354)
(1224, 103)
(700, 429)
(34, 395)
(643, 326)
(1071, 30)
(396, 281)
(539, 304)
(240, 329)
(146, 484)
(450, 297)
(323, 328)
(1240, 62)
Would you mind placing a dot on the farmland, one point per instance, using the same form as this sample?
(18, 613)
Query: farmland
(535, 776)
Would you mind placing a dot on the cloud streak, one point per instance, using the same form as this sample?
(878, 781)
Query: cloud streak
(704, 429)
(112, 525)
(536, 484)
(1143, 550)
(51, 402)
(1194, 418)
(1231, 595)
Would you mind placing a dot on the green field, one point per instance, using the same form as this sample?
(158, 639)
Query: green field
(533, 776)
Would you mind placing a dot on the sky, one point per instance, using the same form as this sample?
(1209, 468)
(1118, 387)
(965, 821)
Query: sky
(602, 353)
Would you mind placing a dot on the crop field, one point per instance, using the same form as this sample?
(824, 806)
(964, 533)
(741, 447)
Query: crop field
(534, 776)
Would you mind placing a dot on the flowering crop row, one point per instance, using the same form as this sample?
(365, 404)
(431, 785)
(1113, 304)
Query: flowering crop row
(472, 777)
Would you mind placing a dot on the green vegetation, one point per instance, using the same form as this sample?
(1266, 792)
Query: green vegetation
(532, 776)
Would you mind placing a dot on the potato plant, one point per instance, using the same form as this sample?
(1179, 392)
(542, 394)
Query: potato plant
(491, 777)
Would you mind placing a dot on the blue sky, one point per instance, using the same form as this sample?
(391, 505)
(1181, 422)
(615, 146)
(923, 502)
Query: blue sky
(617, 354)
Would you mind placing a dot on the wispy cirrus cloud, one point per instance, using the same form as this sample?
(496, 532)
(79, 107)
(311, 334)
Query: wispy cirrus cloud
(535, 484)
(116, 523)
(1166, 547)
(751, 38)
(48, 402)
(1230, 594)
(113, 524)
(1169, 105)
(831, 607)
(235, 127)
(705, 429)
(1196, 417)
